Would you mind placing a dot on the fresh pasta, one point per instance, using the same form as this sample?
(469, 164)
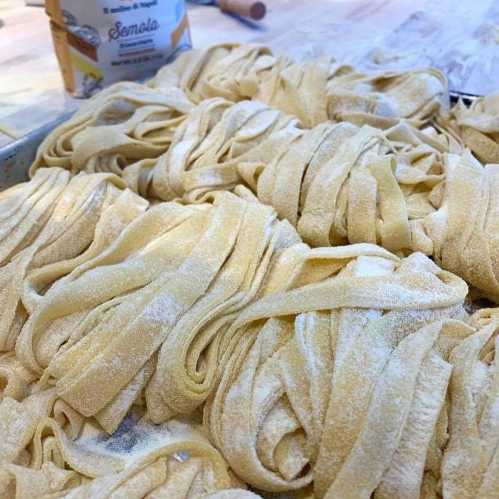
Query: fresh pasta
(403, 188)
(479, 126)
(314, 92)
(124, 122)
(48, 227)
(251, 275)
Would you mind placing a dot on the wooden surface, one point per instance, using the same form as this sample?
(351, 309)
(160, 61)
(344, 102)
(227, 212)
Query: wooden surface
(460, 37)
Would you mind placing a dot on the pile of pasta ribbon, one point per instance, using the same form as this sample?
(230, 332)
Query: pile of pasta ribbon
(255, 276)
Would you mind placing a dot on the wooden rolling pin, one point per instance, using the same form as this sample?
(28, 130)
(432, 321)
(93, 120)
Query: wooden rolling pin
(247, 8)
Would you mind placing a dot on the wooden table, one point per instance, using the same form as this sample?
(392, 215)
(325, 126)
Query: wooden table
(460, 37)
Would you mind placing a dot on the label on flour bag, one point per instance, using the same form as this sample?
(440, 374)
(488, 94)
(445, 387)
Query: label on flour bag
(99, 42)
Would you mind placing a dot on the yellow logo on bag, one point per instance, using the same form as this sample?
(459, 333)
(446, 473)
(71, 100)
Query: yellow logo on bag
(84, 66)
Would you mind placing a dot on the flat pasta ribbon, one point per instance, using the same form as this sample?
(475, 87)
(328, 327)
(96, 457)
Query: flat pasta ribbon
(313, 91)
(295, 374)
(479, 126)
(51, 225)
(125, 122)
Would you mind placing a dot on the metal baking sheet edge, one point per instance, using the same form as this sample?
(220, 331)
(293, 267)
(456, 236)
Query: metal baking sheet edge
(17, 156)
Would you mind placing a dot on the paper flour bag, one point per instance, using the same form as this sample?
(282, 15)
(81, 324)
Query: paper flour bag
(98, 42)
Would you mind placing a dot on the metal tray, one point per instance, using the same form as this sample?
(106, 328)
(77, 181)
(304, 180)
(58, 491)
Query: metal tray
(16, 157)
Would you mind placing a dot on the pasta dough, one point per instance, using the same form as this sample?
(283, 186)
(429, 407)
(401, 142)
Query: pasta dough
(49, 226)
(129, 121)
(173, 460)
(338, 183)
(314, 92)
(125, 122)
(168, 320)
(250, 272)
(479, 126)
(299, 388)
(141, 292)
(474, 394)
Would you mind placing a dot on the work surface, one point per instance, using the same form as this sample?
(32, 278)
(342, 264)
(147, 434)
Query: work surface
(459, 37)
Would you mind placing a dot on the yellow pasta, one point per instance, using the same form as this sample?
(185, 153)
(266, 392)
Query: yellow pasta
(479, 126)
(125, 122)
(254, 275)
(49, 226)
(314, 92)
